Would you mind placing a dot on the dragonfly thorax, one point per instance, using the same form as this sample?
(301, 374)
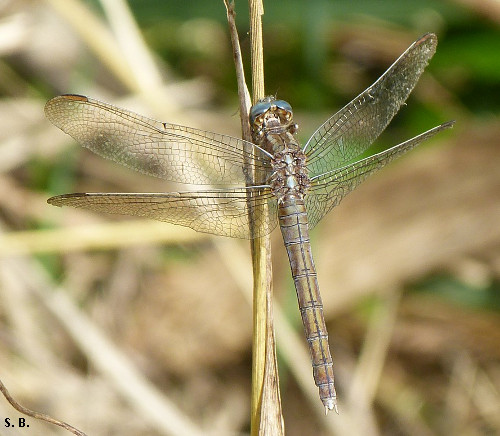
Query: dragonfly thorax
(290, 176)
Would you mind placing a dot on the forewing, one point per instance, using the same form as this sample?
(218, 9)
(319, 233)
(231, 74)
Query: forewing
(222, 213)
(171, 152)
(353, 129)
(329, 189)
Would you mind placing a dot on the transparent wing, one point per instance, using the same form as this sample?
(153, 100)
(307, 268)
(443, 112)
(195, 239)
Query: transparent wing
(171, 152)
(353, 129)
(218, 212)
(330, 188)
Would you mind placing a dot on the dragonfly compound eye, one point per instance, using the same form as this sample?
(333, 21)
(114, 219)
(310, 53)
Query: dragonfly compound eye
(259, 109)
(283, 105)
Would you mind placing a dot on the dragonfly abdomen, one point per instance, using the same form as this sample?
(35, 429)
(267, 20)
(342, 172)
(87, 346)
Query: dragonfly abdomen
(294, 228)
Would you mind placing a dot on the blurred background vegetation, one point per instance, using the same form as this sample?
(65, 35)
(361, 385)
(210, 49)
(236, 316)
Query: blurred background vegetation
(139, 328)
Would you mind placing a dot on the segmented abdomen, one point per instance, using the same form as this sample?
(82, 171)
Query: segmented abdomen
(294, 228)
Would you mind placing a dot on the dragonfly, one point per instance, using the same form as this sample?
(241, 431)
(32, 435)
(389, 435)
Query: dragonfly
(296, 185)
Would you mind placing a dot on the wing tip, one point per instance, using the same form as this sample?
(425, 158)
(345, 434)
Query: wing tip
(74, 97)
(447, 125)
(71, 97)
(60, 200)
(429, 41)
(68, 97)
(427, 36)
(48, 109)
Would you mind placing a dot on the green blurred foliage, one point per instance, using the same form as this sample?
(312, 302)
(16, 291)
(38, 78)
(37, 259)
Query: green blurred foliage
(479, 296)
(300, 46)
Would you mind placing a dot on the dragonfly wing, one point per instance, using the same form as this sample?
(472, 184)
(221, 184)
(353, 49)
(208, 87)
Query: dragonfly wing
(222, 213)
(330, 188)
(353, 129)
(171, 152)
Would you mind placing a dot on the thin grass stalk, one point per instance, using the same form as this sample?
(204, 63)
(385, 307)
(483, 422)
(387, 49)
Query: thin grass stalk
(98, 37)
(267, 418)
(37, 415)
(266, 415)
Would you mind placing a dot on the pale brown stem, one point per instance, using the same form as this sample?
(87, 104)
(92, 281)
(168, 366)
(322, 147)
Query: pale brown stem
(37, 415)
(266, 417)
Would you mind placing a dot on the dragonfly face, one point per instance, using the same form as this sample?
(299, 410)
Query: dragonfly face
(298, 185)
(270, 114)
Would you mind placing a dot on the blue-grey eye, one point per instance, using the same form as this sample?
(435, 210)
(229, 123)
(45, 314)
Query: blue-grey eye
(258, 109)
(282, 104)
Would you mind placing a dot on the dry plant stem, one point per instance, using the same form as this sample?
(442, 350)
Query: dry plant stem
(37, 415)
(267, 417)
(107, 359)
(100, 236)
(132, 44)
(266, 406)
(243, 94)
(375, 349)
(257, 59)
(98, 38)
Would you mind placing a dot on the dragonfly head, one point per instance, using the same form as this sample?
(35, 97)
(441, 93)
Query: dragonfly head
(270, 113)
